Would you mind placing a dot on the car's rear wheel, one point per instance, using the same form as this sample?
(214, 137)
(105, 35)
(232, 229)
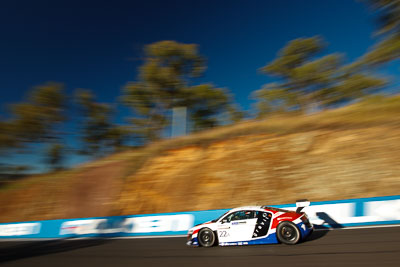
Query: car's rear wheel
(206, 237)
(288, 233)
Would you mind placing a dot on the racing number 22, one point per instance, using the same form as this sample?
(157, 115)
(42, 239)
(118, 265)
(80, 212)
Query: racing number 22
(223, 234)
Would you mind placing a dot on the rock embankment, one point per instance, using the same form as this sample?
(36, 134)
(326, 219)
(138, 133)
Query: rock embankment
(267, 169)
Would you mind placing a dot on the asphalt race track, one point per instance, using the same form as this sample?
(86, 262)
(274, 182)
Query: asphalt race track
(357, 247)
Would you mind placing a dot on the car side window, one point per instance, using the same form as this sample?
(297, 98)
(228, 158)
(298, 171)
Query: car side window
(226, 218)
(240, 215)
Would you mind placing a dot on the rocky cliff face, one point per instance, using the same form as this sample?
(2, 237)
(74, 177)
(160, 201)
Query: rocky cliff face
(268, 169)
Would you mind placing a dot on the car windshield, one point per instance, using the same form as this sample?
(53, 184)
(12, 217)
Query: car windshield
(215, 220)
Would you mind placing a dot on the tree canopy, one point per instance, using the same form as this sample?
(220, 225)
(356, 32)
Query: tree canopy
(166, 81)
(388, 33)
(98, 133)
(36, 119)
(306, 82)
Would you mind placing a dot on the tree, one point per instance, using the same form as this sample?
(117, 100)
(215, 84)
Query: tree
(96, 123)
(150, 116)
(8, 171)
(272, 98)
(36, 120)
(117, 136)
(55, 156)
(389, 19)
(388, 47)
(165, 82)
(306, 82)
(300, 73)
(236, 114)
(205, 103)
(7, 138)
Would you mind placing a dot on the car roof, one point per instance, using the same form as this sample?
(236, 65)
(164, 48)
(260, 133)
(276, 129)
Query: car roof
(246, 208)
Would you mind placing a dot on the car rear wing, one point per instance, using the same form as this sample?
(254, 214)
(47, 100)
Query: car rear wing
(301, 204)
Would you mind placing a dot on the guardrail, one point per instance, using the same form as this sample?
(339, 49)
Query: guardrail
(326, 214)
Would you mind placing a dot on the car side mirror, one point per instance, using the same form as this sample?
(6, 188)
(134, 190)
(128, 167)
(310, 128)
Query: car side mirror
(224, 221)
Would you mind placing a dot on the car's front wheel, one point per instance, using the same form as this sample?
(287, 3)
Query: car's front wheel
(206, 237)
(288, 233)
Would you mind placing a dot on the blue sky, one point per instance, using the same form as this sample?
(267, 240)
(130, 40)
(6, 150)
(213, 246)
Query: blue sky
(98, 44)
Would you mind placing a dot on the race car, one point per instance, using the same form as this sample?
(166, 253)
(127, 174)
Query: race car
(253, 225)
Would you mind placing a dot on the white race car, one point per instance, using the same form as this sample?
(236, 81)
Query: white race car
(253, 225)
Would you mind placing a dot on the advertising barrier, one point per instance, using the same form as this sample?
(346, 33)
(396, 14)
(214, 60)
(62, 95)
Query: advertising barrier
(327, 214)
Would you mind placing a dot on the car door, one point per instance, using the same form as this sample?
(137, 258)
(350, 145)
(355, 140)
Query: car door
(237, 226)
(262, 224)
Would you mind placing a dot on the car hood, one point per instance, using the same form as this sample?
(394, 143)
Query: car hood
(208, 224)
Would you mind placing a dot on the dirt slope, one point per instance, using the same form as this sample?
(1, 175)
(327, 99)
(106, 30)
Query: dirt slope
(265, 169)
(348, 153)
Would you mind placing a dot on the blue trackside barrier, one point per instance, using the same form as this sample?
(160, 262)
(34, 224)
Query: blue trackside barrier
(326, 214)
